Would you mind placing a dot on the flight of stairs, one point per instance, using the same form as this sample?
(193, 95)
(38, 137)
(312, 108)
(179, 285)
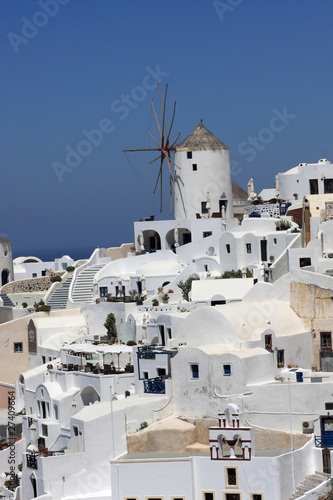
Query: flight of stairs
(6, 300)
(83, 289)
(309, 483)
(59, 297)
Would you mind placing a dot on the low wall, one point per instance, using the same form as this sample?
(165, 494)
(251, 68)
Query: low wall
(30, 285)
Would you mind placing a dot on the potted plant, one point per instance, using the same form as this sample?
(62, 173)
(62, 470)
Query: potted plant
(155, 302)
(165, 298)
(271, 258)
(170, 291)
(160, 290)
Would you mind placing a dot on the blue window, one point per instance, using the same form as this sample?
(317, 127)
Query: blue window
(194, 371)
(226, 369)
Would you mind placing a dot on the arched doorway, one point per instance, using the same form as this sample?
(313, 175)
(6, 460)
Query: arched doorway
(4, 277)
(152, 240)
(89, 395)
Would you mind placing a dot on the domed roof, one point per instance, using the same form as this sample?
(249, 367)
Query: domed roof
(201, 139)
(3, 240)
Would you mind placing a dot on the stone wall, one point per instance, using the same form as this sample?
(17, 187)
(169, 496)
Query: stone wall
(41, 284)
(314, 306)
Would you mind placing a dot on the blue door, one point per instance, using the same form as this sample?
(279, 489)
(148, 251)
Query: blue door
(327, 432)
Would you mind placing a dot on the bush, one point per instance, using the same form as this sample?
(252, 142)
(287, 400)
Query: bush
(70, 269)
(143, 425)
(110, 325)
(24, 304)
(186, 287)
(44, 308)
(131, 342)
(282, 225)
(155, 302)
(56, 278)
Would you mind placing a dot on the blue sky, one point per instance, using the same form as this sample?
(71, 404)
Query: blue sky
(68, 67)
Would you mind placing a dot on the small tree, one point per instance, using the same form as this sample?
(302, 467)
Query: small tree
(110, 325)
(186, 287)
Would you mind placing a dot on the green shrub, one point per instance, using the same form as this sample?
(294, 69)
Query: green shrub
(131, 342)
(24, 304)
(110, 325)
(44, 308)
(70, 269)
(56, 278)
(186, 287)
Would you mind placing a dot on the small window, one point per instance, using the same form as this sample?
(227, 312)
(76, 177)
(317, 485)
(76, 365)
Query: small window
(328, 186)
(208, 495)
(75, 430)
(177, 498)
(226, 369)
(103, 290)
(195, 371)
(313, 186)
(161, 372)
(268, 343)
(204, 209)
(44, 430)
(154, 498)
(232, 496)
(145, 375)
(44, 272)
(280, 358)
(328, 406)
(34, 275)
(18, 347)
(43, 360)
(305, 261)
(205, 234)
(248, 248)
(256, 496)
(326, 340)
(194, 167)
(6, 253)
(227, 248)
(275, 241)
(206, 267)
(231, 476)
(189, 155)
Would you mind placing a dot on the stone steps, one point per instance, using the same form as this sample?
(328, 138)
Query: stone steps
(309, 483)
(6, 300)
(58, 299)
(83, 290)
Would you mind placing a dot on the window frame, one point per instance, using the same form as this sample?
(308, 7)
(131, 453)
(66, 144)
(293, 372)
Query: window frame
(18, 351)
(226, 477)
(328, 344)
(248, 248)
(256, 493)
(204, 494)
(280, 364)
(189, 155)
(194, 167)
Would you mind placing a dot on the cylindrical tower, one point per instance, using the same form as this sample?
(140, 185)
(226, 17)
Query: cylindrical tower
(6, 262)
(203, 181)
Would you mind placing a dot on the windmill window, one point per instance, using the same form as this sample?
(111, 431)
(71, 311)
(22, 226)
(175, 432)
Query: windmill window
(227, 247)
(194, 167)
(248, 248)
(275, 241)
(194, 371)
(189, 155)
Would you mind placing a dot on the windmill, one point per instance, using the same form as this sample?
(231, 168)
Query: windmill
(163, 147)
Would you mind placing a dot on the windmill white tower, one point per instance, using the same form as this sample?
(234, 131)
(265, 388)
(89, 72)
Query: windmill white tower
(203, 181)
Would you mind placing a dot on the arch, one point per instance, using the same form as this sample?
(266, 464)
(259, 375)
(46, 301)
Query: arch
(56, 411)
(89, 395)
(151, 240)
(4, 277)
(33, 484)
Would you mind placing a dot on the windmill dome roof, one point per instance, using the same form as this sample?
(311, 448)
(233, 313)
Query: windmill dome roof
(201, 139)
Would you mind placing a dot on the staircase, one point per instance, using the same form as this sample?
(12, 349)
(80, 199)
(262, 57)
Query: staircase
(59, 297)
(83, 289)
(6, 300)
(309, 483)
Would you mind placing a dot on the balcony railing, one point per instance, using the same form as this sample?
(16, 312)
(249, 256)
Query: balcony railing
(324, 441)
(32, 461)
(154, 386)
